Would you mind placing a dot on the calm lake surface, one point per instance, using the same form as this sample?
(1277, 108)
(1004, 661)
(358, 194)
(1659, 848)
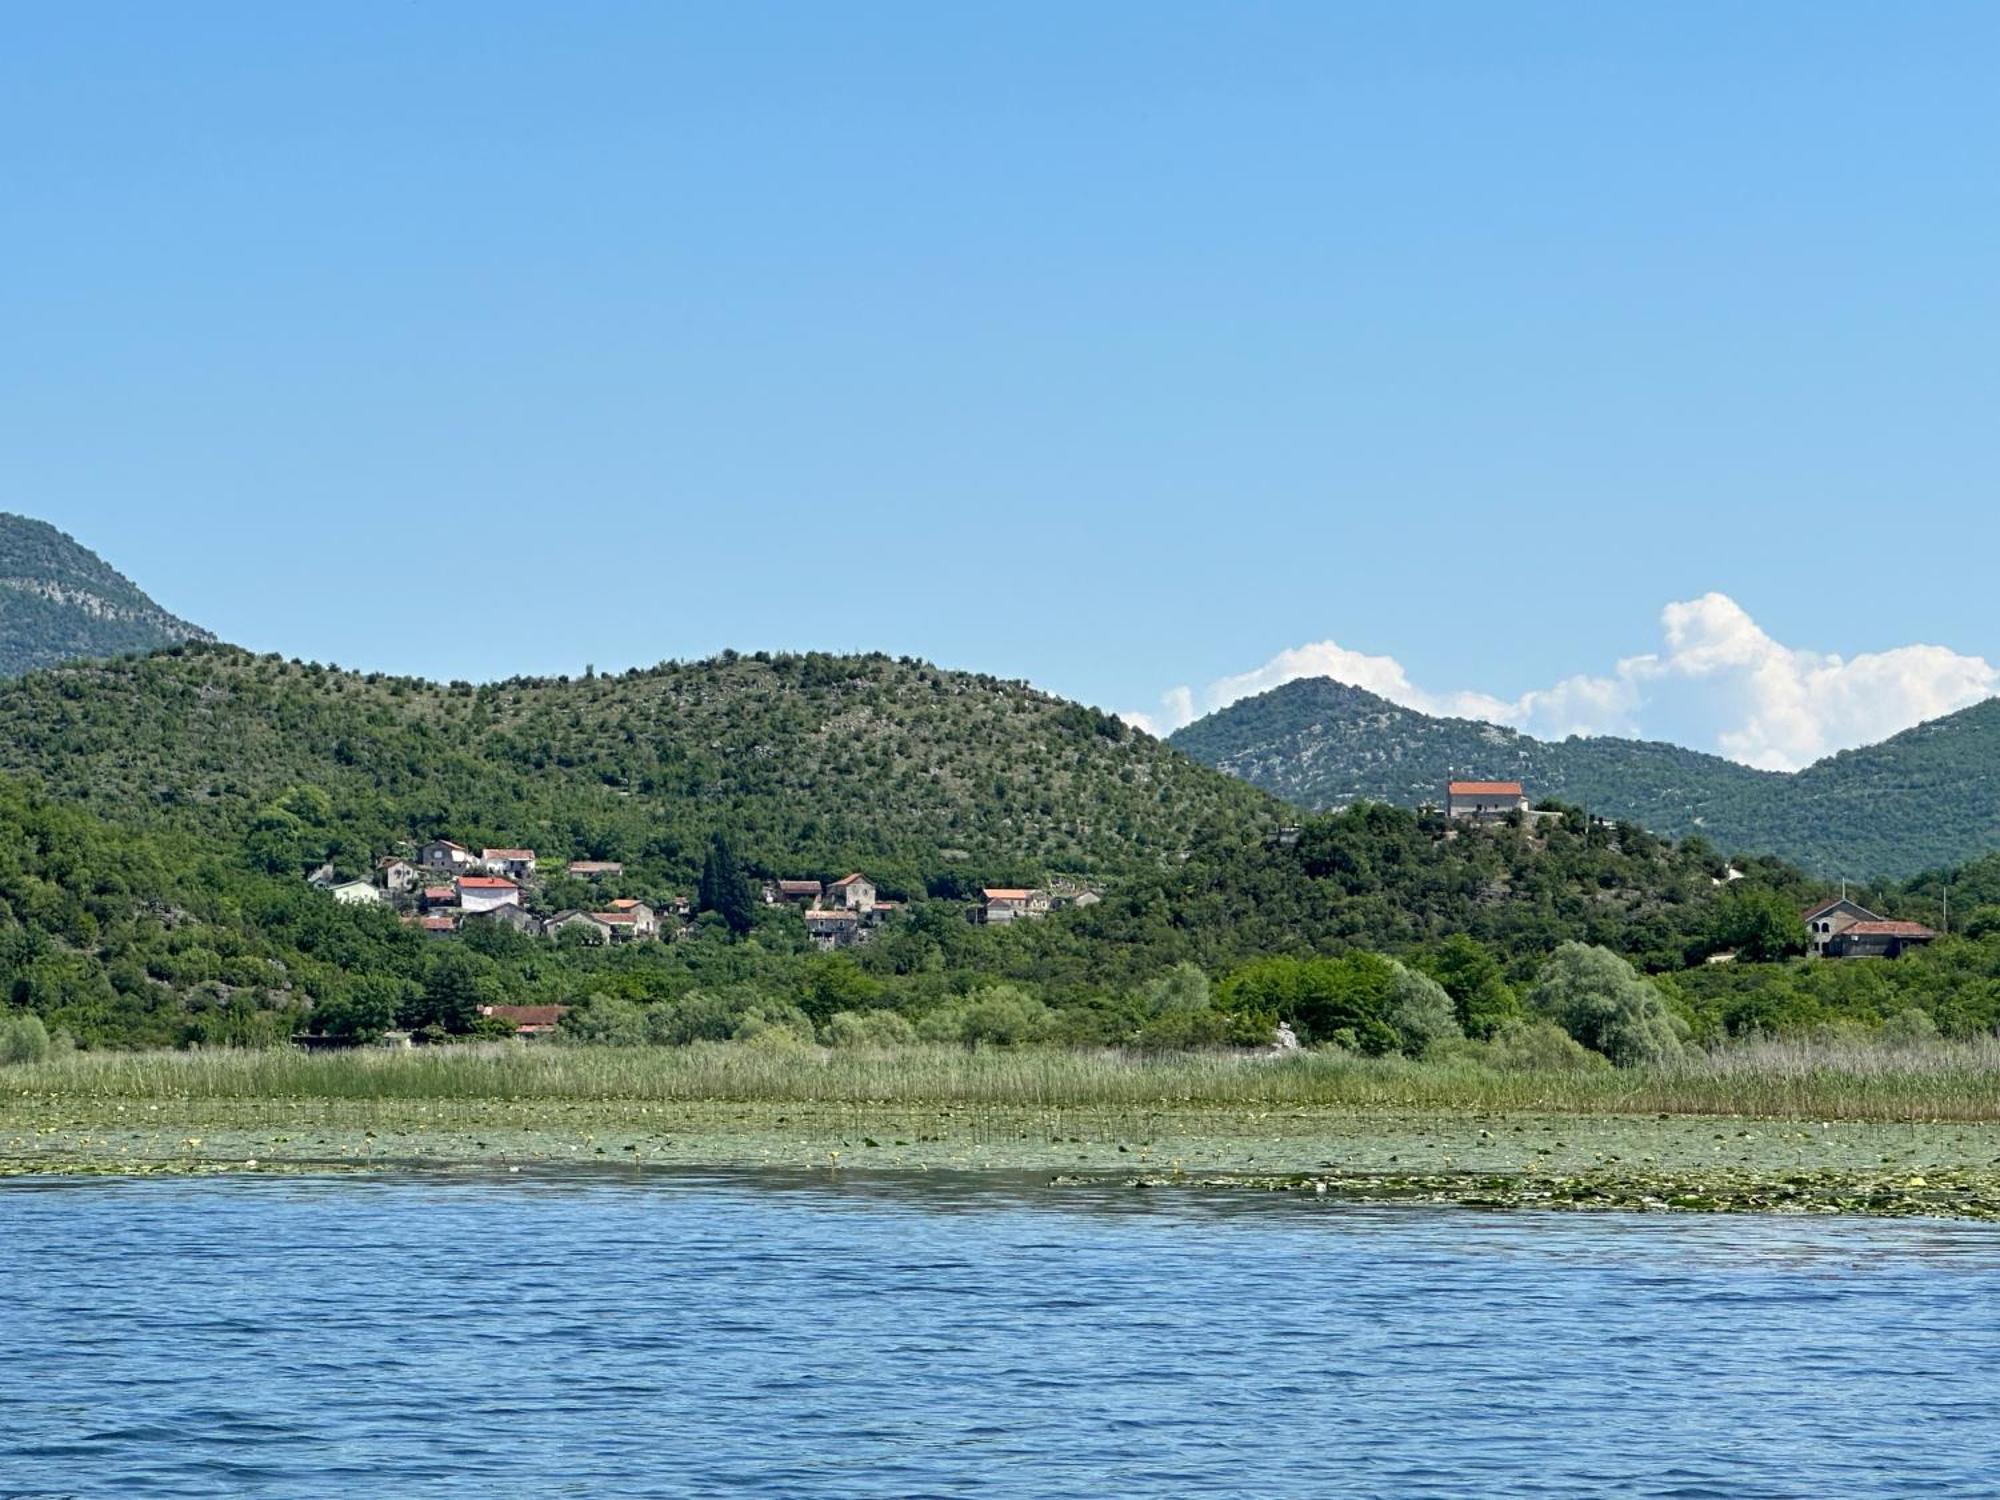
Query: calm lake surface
(775, 1335)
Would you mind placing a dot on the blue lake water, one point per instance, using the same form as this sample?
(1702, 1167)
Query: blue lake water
(698, 1334)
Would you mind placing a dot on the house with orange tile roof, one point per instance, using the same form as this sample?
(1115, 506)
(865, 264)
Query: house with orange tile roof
(1879, 938)
(854, 892)
(1003, 904)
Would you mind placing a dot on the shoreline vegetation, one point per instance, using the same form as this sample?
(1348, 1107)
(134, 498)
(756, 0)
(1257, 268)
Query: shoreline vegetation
(1778, 1126)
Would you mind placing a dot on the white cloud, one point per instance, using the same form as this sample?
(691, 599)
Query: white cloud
(1719, 676)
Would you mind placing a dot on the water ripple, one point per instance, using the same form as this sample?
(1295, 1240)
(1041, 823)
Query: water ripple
(700, 1334)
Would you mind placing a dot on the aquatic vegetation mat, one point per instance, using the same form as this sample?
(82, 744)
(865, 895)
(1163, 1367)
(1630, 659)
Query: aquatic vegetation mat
(1966, 1193)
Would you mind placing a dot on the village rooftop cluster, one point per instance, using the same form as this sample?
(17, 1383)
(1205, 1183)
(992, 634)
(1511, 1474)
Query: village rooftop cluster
(445, 885)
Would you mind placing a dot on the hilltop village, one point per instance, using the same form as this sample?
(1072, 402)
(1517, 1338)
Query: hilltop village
(442, 886)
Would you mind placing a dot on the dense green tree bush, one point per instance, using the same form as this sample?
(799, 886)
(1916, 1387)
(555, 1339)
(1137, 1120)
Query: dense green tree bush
(1599, 999)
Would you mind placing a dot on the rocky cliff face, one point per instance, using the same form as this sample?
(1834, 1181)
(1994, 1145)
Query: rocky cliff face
(59, 602)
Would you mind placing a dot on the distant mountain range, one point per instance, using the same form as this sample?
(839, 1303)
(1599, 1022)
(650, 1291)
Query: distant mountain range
(1926, 798)
(61, 602)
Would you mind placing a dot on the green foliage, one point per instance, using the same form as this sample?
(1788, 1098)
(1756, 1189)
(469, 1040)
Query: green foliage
(1520, 1045)
(1599, 999)
(23, 1039)
(1420, 1011)
(725, 890)
(1482, 1000)
(1000, 1015)
(1758, 924)
(873, 1028)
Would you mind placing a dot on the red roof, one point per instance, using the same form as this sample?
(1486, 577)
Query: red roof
(1486, 789)
(526, 1015)
(625, 903)
(486, 883)
(847, 880)
(622, 917)
(1888, 929)
(439, 924)
(507, 854)
(438, 895)
(799, 887)
(1006, 893)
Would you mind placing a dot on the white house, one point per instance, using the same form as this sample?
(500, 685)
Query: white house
(515, 864)
(484, 892)
(1484, 801)
(355, 893)
(397, 874)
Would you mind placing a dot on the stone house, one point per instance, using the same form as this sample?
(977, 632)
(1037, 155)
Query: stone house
(443, 854)
(641, 920)
(397, 874)
(854, 892)
(596, 869)
(803, 892)
(832, 927)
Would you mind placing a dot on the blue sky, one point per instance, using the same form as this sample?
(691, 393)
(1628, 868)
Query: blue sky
(1118, 347)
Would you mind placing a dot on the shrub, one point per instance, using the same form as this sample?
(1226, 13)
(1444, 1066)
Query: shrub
(1600, 1000)
(999, 1015)
(606, 1020)
(1420, 1011)
(1523, 1046)
(1908, 1029)
(23, 1039)
(698, 1016)
(762, 1022)
(869, 1028)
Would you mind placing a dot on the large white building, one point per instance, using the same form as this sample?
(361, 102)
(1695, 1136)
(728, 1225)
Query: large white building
(1486, 801)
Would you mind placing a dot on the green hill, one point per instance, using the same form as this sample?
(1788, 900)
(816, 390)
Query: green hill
(60, 602)
(1926, 798)
(812, 764)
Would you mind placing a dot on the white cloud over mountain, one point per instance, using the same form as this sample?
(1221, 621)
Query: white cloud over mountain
(1718, 676)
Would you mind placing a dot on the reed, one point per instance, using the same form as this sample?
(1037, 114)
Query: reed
(1796, 1080)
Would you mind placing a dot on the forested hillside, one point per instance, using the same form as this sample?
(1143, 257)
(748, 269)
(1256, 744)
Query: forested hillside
(60, 602)
(810, 763)
(157, 816)
(1929, 797)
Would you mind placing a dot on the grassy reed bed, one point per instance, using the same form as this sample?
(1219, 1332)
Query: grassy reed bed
(1781, 1080)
